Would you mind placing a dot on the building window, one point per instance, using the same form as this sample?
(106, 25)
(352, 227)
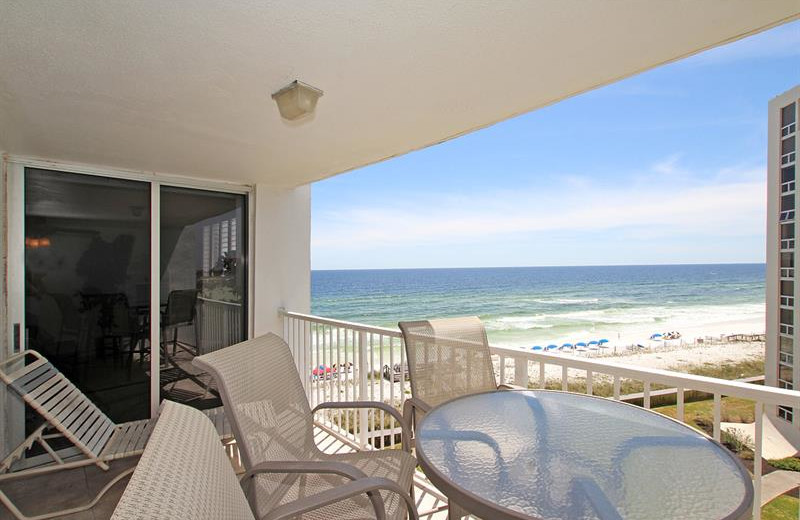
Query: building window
(785, 413)
(787, 150)
(788, 120)
(786, 345)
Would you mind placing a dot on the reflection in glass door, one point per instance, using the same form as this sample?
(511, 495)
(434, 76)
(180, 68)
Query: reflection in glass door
(203, 247)
(87, 284)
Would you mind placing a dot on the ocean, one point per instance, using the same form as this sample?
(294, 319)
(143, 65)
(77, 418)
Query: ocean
(526, 306)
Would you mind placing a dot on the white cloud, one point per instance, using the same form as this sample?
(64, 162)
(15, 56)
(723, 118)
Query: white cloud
(732, 206)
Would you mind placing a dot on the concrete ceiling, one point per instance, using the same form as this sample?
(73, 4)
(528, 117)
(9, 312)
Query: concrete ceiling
(183, 87)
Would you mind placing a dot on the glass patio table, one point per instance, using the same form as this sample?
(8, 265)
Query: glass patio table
(538, 454)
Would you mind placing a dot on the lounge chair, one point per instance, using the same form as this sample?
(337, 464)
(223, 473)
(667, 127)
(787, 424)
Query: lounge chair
(184, 473)
(69, 414)
(447, 358)
(264, 400)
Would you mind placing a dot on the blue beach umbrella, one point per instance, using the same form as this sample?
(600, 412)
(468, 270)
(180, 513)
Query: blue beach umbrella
(566, 345)
(602, 341)
(581, 344)
(593, 342)
(537, 347)
(655, 336)
(552, 347)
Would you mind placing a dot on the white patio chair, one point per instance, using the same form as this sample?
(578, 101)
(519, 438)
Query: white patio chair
(272, 421)
(69, 414)
(184, 473)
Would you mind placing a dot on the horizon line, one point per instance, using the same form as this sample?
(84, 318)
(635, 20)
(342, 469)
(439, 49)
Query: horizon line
(535, 266)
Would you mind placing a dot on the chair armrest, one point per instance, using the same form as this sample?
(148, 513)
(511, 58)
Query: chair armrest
(506, 386)
(305, 466)
(309, 466)
(351, 489)
(413, 410)
(406, 432)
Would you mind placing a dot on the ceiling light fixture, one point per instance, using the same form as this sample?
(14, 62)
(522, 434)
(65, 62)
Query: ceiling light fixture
(296, 100)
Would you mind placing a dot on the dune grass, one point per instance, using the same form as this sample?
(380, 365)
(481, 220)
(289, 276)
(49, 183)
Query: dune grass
(782, 508)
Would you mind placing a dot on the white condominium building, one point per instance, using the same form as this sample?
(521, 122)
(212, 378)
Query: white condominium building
(781, 369)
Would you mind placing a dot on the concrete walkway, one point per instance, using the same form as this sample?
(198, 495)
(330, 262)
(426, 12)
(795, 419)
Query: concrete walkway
(777, 483)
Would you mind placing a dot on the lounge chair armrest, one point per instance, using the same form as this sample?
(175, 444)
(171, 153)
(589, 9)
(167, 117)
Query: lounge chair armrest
(506, 386)
(305, 466)
(351, 489)
(406, 431)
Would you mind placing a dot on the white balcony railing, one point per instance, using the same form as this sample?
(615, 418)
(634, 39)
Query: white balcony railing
(344, 361)
(218, 324)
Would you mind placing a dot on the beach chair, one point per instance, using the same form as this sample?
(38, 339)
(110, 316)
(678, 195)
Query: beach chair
(265, 402)
(447, 358)
(69, 415)
(184, 473)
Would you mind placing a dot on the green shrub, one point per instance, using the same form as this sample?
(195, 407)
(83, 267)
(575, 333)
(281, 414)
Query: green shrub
(789, 463)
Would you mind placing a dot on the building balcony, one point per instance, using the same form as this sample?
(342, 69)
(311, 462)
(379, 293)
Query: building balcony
(364, 358)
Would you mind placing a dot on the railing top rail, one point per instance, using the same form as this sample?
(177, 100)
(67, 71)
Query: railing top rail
(340, 323)
(712, 385)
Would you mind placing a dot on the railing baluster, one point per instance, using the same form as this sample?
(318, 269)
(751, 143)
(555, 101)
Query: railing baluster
(646, 394)
(381, 391)
(362, 387)
(521, 371)
(616, 387)
(391, 380)
(542, 374)
(717, 415)
(317, 362)
(340, 372)
(502, 369)
(589, 382)
(679, 398)
(564, 378)
(759, 443)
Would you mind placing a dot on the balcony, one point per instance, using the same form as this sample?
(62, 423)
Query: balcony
(362, 361)
(373, 359)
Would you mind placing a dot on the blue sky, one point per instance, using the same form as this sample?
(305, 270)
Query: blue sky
(665, 167)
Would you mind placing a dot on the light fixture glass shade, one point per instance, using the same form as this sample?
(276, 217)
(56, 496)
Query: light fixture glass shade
(296, 100)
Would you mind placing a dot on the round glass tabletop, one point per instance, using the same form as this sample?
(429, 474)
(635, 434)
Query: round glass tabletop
(545, 454)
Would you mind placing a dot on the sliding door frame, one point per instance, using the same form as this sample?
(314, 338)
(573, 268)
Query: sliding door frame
(16, 166)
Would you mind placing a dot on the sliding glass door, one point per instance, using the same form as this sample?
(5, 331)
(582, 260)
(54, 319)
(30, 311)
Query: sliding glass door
(88, 271)
(87, 283)
(203, 286)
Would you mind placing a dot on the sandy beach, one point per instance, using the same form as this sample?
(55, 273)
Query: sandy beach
(699, 345)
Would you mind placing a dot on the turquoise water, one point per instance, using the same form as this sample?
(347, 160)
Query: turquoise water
(535, 305)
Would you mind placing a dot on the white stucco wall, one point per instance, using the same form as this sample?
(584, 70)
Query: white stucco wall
(281, 256)
(4, 350)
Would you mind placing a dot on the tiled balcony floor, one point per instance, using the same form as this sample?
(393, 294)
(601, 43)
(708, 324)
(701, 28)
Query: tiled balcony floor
(71, 488)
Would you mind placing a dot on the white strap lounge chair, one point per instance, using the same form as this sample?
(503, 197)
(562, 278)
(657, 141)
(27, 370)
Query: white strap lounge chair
(273, 424)
(447, 358)
(184, 473)
(69, 414)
